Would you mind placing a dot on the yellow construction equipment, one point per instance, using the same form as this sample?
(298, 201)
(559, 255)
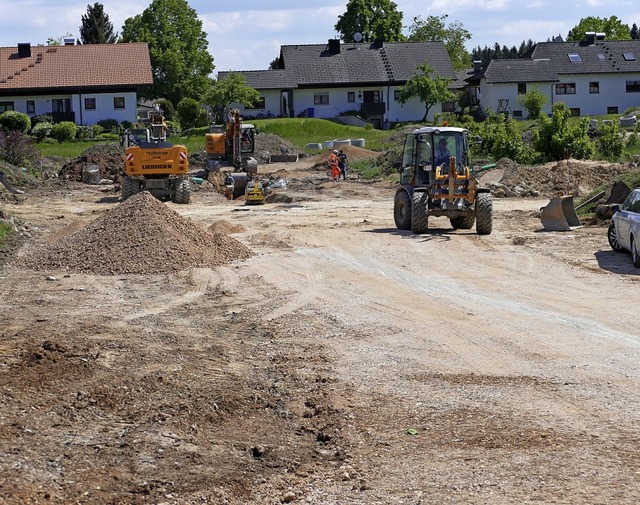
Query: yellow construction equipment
(254, 194)
(232, 145)
(155, 165)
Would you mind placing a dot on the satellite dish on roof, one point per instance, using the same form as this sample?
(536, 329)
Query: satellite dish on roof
(357, 37)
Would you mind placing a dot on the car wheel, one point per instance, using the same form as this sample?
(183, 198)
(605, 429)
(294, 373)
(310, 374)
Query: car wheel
(612, 236)
(635, 255)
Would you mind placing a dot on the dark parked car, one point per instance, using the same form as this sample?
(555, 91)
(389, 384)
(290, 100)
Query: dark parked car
(624, 232)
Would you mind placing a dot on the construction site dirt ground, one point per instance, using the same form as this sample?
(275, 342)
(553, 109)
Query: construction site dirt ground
(342, 361)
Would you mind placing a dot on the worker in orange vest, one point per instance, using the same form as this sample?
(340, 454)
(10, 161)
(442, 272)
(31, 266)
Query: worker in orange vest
(333, 164)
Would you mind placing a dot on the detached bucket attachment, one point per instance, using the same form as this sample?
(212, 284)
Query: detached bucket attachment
(8, 185)
(559, 215)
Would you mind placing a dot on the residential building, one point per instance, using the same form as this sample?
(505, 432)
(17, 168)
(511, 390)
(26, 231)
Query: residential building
(336, 79)
(79, 83)
(592, 77)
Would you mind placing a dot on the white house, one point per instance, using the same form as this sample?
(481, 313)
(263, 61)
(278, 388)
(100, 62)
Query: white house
(329, 80)
(79, 83)
(592, 77)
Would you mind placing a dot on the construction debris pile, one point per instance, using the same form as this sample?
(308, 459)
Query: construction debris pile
(140, 236)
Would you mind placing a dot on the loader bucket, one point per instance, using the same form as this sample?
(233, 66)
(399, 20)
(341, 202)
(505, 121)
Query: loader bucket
(559, 214)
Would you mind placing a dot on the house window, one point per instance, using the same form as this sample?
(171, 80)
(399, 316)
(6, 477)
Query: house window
(449, 106)
(31, 106)
(629, 57)
(351, 96)
(5, 106)
(258, 104)
(396, 95)
(612, 110)
(321, 99)
(522, 88)
(594, 88)
(633, 86)
(566, 88)
(118, 102)
(575, 58)
(90, 103)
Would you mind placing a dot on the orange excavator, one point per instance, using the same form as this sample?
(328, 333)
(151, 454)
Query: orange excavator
(233, 145)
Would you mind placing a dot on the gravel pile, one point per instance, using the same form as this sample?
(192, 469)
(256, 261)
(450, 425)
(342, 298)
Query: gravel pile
(140, 236)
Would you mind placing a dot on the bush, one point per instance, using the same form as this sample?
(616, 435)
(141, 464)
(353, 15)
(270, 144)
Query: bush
(64, 131)
(610, 142)
(188, 112)
(109, 125)
(41, 131)
(557, 137)
(533, 101)
(85, 133)
(108, 136)
(13, 121)
(18, 149)
(168, 110)
(97, 130)
(41, 118)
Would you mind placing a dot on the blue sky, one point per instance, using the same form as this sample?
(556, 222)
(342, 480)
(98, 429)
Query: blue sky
(249, 38)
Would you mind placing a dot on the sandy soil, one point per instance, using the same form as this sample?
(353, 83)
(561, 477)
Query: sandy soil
(345, 362)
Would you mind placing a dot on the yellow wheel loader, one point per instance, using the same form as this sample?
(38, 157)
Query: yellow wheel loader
(436, 180)
(155, 165)
(233, 145)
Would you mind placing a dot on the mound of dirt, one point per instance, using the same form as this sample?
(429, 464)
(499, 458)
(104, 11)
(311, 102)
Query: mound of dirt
(225, 227)
(109, 157)
(139, 236)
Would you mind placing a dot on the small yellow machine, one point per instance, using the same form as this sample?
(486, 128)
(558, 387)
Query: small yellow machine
(155, 165)
(254, 194)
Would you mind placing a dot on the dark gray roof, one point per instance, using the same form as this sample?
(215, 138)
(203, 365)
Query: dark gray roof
(313, 65)
(504, 71)
(600, 57)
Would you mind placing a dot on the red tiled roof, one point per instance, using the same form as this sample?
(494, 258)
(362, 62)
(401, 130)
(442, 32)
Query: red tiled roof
(77, 66)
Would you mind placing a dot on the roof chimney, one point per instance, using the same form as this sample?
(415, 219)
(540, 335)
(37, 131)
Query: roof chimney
(477, 65)
(590, 37)
(69, 41)
(600, 35)
(334, 46)
(24, 50)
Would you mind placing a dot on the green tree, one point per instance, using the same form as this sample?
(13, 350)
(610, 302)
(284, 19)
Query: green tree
(533, 101)
(232, 89)
(429, 90)
(454, 37)
(558, 137)
(373, 19)
(178, 48)
(96, 27)
(612, 27)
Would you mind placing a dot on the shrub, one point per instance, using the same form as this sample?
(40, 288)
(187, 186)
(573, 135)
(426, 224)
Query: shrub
(97, 130)
(168, 110)
(41, 131)
(557, 137)
(533, 101)
(109, 125)
(14, 121)
(610, 142)
(18, 149)
(108, 136)
(41, 118)
(85, 133)
(188, 112)
(64, 131)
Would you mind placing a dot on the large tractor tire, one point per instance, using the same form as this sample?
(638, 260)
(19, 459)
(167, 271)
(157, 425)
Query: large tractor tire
(463, 222)
(183, 192)
(130, 187)
(419, 212)
(402, 210)
(484, 213)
